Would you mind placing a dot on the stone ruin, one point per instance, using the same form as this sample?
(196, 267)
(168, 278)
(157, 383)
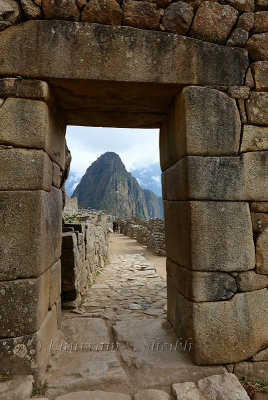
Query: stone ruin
(198, 70)
(150, 233)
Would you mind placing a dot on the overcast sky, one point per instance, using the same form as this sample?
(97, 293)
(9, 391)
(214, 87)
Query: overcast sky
(138, 148)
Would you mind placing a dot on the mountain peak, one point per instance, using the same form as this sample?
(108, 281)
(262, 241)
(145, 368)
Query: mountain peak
(108, 186)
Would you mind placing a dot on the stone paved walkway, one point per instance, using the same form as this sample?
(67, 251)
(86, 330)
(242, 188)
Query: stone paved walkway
(120, 344)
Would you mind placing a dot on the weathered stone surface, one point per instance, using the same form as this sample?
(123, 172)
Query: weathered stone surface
(238, 38)
(246, 21)
(94, 395)
(226, 331)
(60, 9)
(259, 207)
(141, 14)
(34, 243)
(25, 169)
(30, 123)
(202, 286)
(252, 370)
(18, 388)
(151, 394)
(173, 66)
(239, 92)
(257, 108)
(259, 221)
(240, 5)
(24, 88)
(257, 46)
(262, 252)
(29, 353)
(229, 222)
(187, 391)
(255, 138)
(55, 283)
(178, 17)
(92, 369)
(218, 178)
(31, 9)
(261, 356)
(222, 387)
(103, 12)
(248, 281)
(260, 71)
(24, 305)
(261, 22)
(213, 22)
(91, 331)
(202, 121)
(10, 13)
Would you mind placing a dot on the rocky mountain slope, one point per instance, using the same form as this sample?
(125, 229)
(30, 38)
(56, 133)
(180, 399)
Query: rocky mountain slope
(108, 186)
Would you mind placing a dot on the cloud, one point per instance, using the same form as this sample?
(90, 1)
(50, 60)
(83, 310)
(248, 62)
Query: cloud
(157, 180)
(138, 148)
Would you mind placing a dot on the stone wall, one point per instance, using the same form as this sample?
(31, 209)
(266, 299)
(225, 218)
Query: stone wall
(31, 221)
(228, 22)
(84, 252)
(215, 229)
(150, 233)
(70, 207)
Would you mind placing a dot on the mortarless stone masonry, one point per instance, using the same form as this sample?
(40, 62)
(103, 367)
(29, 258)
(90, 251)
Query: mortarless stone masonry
(195, 69)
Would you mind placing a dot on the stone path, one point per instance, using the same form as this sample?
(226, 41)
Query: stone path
(120, 346)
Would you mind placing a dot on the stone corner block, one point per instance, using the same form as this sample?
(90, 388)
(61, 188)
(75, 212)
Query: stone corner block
(23, 305)
(29, 354)
(223, 332)
(34, 242)
(25, 169)
(210, 236)
(202, 121)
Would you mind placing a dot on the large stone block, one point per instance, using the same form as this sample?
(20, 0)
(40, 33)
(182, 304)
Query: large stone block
(30, 232)
(202, 121)
(210, 235)
(24, 88)
(201, 286)
(23, 305)
(257, 105)
(255, 138)
(147, 56)
(218, 178)
(25, 169)
(31, 124)
(225, 331)
(29, 354)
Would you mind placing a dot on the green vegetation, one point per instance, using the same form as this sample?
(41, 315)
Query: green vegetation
(254, 387)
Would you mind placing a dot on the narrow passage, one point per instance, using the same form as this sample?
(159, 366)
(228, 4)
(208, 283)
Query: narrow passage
(120, 340)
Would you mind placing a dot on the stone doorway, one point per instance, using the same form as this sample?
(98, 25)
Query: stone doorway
(212, 177)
